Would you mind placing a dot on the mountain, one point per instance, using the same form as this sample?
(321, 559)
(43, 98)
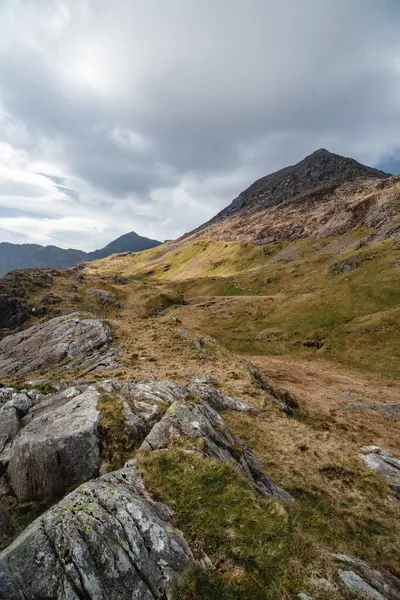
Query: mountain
(21, 256)
(215, 418)
(322, 171)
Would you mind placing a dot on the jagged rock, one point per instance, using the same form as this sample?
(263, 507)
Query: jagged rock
(59, 447)
(365, 579)
(13, 313)
(286, 401)
(201, 421)
(72, 338)
(157, 391)
(218, 401)
(384, 464)
(344, 265)
(357, 584)
(303, 596)
(107, 539)
(106, 299)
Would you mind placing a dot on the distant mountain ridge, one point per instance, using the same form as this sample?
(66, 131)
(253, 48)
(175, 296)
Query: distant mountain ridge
(22, 256)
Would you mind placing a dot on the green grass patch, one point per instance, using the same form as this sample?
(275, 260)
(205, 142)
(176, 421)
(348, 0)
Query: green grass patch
(253, 541)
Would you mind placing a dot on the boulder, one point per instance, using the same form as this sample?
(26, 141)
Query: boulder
(386, 465)
(71, 338)
(360, 577)
(56, 449)
(107, 539)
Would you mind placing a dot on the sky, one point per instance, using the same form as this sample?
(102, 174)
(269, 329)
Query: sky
(152, 115)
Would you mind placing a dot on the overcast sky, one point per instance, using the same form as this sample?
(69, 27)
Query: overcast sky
(152, 115)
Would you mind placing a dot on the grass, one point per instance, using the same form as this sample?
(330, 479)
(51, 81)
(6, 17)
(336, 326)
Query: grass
(259, 548)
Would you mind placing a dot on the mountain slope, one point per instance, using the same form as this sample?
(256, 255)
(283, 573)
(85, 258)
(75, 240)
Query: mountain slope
(322, 171)
(305, 329)
(22, 256)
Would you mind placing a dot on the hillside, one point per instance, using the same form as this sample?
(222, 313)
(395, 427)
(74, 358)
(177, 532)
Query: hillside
(248, 372)
(315, 177)
(22, 256)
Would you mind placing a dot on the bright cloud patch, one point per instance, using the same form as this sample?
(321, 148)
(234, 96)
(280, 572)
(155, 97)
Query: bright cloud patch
(152, 116)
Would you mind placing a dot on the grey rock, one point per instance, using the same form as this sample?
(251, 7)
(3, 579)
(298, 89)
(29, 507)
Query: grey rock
(303, 596)
(106, 299)
(357, 584)
(70, 338)
(208, 393)
(344, 265)
(386, 465)
(105, 540)
(194, 421)
(56, 449)
(362, 574)
(9, 426)
(286, 401)
(22, 402)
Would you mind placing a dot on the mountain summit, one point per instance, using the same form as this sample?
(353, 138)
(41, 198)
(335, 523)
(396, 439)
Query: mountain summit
(324, 194)
(321, 170)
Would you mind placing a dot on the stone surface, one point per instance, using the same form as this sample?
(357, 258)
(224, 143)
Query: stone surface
(386, 465)
(357, 584)
(72, 338)
(58, 448)
(363, 578)
(105, 540)
(200, 421)
(218, 401)
(286, 401)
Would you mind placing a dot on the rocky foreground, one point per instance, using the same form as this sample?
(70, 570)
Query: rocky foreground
(71, 450)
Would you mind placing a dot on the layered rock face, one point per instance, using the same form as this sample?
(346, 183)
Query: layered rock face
(74, 338)
(107, 539)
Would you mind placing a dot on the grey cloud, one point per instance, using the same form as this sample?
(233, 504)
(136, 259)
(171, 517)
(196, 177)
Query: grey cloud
(222, 91)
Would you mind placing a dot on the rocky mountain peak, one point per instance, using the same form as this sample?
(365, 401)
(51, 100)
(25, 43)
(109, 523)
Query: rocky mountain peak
(320, 171)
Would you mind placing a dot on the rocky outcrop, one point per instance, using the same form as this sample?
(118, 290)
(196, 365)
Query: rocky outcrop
(369, 582)
(286, 401)
(105, 299)
(44, 436)
(199, 422)
(107, 539)
(57, 448)
(71, 339)
(386, 465)
(13, 313)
